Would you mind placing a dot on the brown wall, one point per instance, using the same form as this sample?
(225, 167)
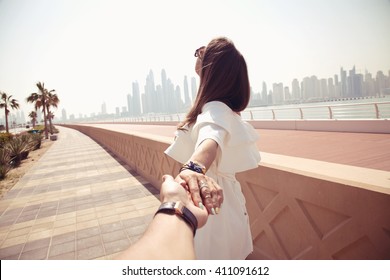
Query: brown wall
(299, 209)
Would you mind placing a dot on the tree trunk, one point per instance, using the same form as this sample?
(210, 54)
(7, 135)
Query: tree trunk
(6, 119)
(51, 125)
(45, 120)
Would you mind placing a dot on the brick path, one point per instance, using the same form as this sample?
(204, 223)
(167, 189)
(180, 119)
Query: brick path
(76, 202)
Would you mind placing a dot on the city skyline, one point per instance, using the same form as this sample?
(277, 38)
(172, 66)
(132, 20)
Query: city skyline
(92, 51)
(167, 98)
(347, 84)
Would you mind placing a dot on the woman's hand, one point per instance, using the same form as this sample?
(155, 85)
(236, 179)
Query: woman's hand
(203, 189)
(171, 190)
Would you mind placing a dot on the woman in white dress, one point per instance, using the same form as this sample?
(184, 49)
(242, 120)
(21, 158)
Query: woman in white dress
(213, 143)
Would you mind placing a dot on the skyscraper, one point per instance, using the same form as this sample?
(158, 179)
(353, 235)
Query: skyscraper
(343, 88)
(194, 88)
(187, 101)
(135, 101)
(64, 117)
(104, 108)
(296, 91)
(277, 93)
(150, 103)
(264, 94)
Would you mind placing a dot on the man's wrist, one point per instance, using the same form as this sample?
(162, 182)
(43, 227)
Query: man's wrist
(180, 210)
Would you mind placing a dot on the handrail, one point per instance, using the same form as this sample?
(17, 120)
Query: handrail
(370, 110)
(332, 111)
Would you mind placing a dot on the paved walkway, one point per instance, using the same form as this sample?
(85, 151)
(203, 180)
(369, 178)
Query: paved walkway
(76, 202)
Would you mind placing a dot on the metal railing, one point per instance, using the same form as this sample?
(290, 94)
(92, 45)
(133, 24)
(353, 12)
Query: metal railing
(378, 110)
(373, 110)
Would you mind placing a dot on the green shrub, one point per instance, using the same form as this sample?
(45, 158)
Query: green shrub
(5, 138)
(19, 148)
(36, 140)
(5, 167)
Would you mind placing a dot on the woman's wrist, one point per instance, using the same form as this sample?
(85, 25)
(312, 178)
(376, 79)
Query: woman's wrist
(194, 166)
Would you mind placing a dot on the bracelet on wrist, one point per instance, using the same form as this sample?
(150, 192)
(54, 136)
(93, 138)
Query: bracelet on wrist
(180, 210)
(193, 166)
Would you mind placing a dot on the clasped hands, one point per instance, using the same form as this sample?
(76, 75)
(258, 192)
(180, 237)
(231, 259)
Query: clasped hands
(198, 192)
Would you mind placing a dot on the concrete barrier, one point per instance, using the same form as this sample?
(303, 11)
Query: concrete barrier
(298, 208)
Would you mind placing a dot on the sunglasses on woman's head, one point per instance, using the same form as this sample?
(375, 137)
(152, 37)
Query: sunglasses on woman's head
(198, 52)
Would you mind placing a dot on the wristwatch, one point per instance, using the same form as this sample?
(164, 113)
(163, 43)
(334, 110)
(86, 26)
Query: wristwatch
(179, 209)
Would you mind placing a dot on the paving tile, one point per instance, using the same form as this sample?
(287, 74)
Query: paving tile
(136, 230)
(80, 234)
(11, 251)
(116, 246)
(62, 248)
(8, 242)
(40, 235)
(64, 230)
(19, 232)
(87, 224)
(63, 238)
(65, 256)
(36, 244)
(68, 207)
(111, 227)
(90, 253)
(114, 235)
(39, 254)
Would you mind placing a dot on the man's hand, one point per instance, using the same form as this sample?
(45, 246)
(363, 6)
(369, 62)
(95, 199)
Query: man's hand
(172, 191)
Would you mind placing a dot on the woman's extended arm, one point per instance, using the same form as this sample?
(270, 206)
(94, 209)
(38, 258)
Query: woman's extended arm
(201, 187)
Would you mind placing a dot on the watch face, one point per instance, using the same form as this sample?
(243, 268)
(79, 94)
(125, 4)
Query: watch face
(179, 207)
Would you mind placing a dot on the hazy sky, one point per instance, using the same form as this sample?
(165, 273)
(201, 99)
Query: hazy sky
(91, 51)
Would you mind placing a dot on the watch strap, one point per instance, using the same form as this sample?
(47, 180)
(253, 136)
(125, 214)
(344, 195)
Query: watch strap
(179, 209)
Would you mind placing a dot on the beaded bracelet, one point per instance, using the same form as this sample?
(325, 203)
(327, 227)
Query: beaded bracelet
(196, 167)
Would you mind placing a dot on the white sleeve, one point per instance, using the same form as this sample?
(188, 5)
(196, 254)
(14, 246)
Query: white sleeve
(210, 131)
(236, 138)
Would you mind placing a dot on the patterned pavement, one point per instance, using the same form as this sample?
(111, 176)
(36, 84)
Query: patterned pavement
(76, 202)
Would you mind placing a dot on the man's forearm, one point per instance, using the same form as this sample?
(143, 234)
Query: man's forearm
(165, 238)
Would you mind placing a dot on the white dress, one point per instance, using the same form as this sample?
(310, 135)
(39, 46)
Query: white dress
(226, 235)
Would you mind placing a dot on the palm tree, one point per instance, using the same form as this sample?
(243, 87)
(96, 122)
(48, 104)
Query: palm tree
(7, 102)
(33, 115)
(52, 100)
(40, 100)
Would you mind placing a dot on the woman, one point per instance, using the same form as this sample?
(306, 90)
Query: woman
(213, 140)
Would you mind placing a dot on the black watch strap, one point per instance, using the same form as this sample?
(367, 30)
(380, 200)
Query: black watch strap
(179, 209)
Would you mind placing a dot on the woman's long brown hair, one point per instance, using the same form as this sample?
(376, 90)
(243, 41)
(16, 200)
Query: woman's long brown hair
(223, 77)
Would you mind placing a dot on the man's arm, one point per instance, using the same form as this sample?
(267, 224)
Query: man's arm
(168, 236)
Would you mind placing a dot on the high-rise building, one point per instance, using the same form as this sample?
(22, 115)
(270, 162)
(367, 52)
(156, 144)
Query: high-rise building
(150, 104)
(104, 108)
(194, 88)
(124, 112)
(308, 87)
(380, 83)
(296, 91)
(277, 93)
(135, 106)
(343, 81)
(264, 95)
(331, 88)
(323, 89)
(187, 101)
(287, 94)
(64, 118)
